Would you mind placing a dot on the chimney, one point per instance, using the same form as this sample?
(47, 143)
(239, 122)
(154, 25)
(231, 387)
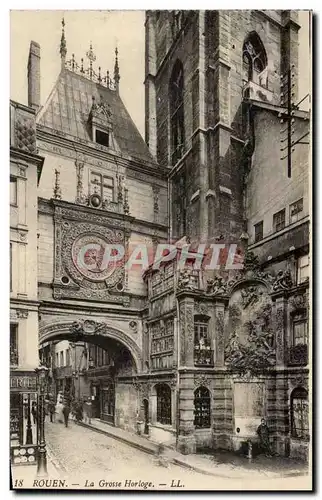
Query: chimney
(34, 76)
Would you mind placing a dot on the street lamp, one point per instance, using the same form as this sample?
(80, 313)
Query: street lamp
(42, 455)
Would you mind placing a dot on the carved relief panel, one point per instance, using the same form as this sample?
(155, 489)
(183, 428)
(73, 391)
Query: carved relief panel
(250, 347)
(84, 267)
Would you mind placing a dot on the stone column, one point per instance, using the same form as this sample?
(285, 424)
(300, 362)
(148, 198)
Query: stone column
(186, 331)
(186, 443)
(219, 333)
(281, 395)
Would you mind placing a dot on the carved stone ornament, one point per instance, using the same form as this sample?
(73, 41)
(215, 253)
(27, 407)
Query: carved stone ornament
(81, 254)
(185, 280)
(201, 308)
(258, 352)
(202, 379)
(80, 328)
(283, 281)
(22, 314)
(250, 295)
(216, 286)
(298, 302)
(299, 380)
(133, 326)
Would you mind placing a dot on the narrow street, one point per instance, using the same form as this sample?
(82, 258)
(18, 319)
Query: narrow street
(96, 461)
(85, 454)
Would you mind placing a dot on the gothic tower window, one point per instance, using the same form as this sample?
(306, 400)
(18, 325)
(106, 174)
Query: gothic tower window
(202, 408)
(163, 404)
(176, 112)
(254, 60)
(203, 354)
(300, 414)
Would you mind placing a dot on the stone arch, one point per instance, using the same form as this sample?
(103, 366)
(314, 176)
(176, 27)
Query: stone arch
(247, 282)
(63, 331)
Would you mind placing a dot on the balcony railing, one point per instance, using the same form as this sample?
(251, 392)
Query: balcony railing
(204, 356)
(298, 355)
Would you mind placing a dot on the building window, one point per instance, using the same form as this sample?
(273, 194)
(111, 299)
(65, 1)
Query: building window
(296, 210)
(203, 354)
(201, 331)
(279, 220)
(300, 330)
(176, 112)
(57, 359)
(258, 231)
(163, 404)
(102, 138)
(13, 191)
(300, 414)
(61, 358)
(254, 60)
(303, 269)
(14, 344)
(103, 186)
(202, 408)
(67, 357)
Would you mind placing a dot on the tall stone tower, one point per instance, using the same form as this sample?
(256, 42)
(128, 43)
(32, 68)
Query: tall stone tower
(200, 68)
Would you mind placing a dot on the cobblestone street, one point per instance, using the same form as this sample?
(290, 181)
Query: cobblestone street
(85, 454)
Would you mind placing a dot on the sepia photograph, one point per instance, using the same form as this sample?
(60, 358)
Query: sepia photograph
(160, 250)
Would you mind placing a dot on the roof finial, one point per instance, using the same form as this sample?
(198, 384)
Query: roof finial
(63, 47)
(92, 58)
(116, 71)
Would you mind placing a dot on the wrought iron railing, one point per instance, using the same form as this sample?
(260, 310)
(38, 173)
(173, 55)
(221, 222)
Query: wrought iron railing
(298, 355)
(203, 357)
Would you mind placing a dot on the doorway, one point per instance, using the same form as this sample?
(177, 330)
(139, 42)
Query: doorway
(146, 415)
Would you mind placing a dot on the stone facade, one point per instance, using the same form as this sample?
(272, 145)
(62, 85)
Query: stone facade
(189, 358)
(229, 184)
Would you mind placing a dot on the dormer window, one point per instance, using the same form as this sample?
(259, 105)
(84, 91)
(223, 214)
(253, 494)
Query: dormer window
(102, 138)
(100, 123)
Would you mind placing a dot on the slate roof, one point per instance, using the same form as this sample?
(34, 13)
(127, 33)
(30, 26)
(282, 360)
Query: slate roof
(68, 106)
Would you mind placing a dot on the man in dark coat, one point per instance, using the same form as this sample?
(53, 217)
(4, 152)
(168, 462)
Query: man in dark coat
(263, 434)
(66, 412)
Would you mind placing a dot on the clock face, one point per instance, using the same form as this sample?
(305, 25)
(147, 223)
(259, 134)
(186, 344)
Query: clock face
(94, 257)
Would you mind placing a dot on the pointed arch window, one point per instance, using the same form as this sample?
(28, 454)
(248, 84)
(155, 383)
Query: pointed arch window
(254, 60)
(202, 408)
(300, 414)
(177, 112)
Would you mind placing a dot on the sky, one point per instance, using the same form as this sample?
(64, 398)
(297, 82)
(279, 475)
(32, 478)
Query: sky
(105, 29)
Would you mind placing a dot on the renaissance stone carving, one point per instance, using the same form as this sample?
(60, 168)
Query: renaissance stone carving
(256, 352)
(185, 280)
(298, 302)
(57, 188)
(283, 281)
(80, 198)
(22, 314)
(250, 295)
(201, 308)
(216, 286)
(202, 379)
(80, 257)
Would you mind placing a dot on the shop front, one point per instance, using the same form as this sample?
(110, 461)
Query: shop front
(23, 418)
(103, 399)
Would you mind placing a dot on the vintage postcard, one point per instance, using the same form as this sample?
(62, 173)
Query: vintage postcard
(160, 204)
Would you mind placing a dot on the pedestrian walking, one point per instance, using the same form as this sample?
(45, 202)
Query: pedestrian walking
(66, 412)
(51, 408)
(88, 411)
